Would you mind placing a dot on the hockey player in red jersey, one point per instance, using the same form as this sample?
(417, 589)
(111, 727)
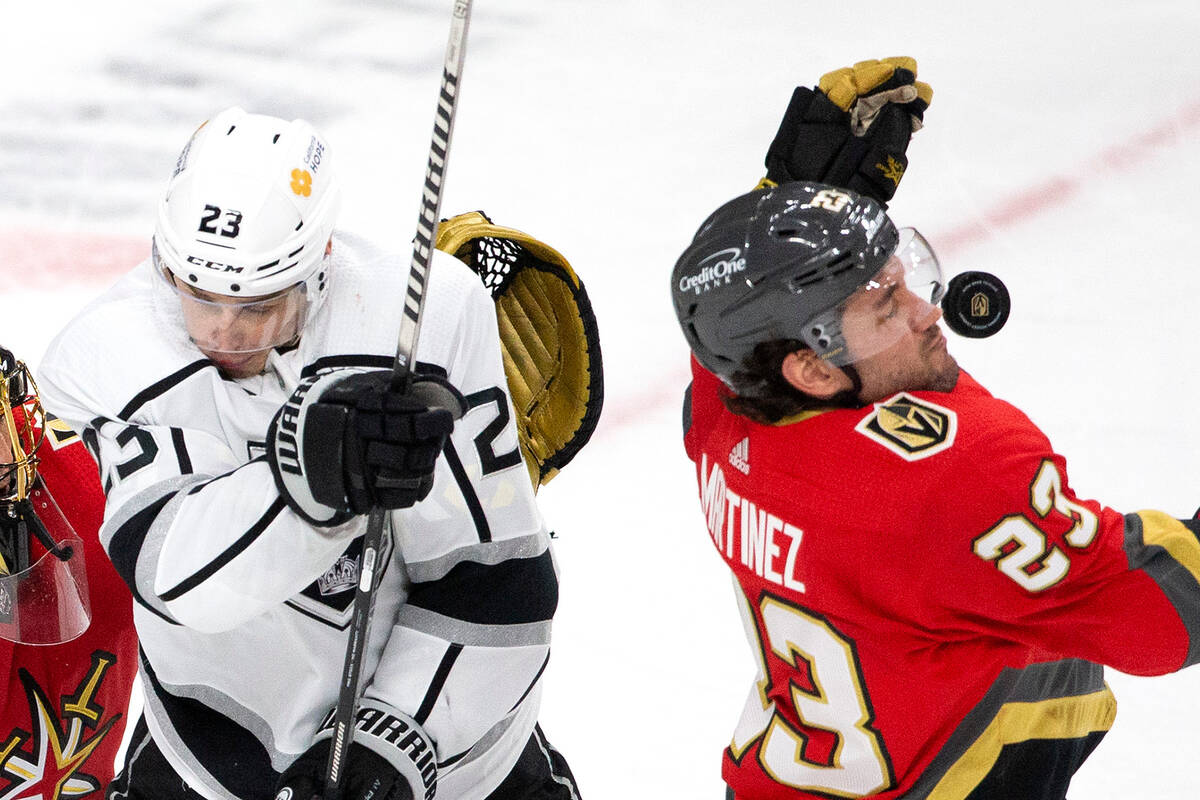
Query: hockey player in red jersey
(929, 603)
(67, 643)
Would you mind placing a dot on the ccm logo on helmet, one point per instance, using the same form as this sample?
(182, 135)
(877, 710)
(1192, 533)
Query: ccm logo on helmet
(716, 270)
(217, 265)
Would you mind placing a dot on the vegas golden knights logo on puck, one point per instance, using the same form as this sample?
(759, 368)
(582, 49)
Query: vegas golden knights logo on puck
(912, 429)
(979, 305)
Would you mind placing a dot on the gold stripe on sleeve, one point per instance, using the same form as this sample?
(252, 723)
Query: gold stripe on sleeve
(1057, 718)
(1163, 530)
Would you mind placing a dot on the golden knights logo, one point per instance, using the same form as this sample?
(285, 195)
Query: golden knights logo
(979, 305)
(912, 429)
(59, 433)
(44, 762)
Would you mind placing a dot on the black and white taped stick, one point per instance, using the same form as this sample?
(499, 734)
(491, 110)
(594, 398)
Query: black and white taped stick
(431, 198)
(406, 348)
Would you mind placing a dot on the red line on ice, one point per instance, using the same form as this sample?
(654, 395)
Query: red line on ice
(1057, 190)
(44, 259)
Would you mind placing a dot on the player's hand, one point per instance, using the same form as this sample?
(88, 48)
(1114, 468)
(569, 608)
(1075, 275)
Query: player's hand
(853, 129)
(390, 438)
(349, 442)
(368, 776)
(389, 755)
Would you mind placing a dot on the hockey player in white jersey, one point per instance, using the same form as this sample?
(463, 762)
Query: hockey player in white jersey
(234, 391)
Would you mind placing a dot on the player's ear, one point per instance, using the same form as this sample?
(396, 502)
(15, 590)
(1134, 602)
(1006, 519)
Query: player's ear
(811, 374)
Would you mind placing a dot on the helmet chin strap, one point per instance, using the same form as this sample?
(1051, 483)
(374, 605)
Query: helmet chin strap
(30, 524)
(18, 523)
(856, 385)
(848, 398)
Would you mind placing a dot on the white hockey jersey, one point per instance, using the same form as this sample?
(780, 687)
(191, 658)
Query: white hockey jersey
(242, 607)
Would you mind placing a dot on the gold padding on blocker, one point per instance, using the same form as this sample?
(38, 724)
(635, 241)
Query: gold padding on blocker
(548, 337)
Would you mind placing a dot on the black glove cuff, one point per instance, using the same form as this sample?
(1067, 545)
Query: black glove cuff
(290, 437)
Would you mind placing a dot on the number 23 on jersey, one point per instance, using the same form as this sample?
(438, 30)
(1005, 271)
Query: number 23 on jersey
(824, 741)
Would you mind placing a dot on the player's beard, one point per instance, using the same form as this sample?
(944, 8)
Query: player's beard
(923, 364)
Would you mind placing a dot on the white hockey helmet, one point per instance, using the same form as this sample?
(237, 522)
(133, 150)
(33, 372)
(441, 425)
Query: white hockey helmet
(249, 209)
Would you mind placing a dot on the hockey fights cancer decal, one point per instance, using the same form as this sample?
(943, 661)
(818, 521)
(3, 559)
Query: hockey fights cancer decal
(47, 760)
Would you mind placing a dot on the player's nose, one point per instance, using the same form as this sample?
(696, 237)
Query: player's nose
(924, 314)
(224, 328)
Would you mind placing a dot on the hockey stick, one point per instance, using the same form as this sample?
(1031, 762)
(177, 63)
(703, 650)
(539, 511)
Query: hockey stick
(406, 348)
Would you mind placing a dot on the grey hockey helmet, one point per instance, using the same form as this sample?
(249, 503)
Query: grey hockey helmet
(246, 218)
(782, 263)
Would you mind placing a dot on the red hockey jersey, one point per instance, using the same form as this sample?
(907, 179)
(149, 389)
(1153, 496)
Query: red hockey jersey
(64, 707)
(928, 601)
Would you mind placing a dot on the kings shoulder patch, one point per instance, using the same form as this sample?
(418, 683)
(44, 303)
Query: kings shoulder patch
(912, 429)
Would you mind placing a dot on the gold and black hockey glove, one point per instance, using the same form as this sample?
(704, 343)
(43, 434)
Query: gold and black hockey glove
(852, 130)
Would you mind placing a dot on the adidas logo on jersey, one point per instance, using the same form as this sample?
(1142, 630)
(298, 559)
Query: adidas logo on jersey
(739, 456)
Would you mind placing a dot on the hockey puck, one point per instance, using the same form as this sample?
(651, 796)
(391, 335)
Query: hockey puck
(976, 304)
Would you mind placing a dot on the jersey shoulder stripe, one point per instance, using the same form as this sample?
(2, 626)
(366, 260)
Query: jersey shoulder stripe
(230, 553)
(161, 387)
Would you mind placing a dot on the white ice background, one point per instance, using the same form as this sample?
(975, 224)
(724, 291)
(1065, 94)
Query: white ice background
(1060, 153)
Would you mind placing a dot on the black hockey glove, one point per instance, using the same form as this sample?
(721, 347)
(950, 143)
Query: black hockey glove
(347, 442)
(390, 755)
(853, 129)
(368, 776)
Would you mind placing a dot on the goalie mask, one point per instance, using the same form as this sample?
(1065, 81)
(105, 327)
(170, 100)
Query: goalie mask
(43, 581)
(799, 261)
(242, 233)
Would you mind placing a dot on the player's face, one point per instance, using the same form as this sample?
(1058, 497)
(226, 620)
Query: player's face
(899, 329)
(238, 334)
